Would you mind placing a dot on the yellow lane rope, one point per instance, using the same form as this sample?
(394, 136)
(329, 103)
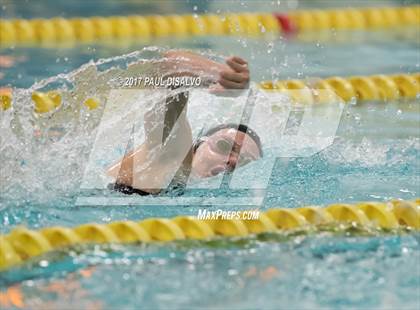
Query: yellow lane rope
(375, 87)
(91, 29)
(22, 244)
(13, 31)
(356, 19)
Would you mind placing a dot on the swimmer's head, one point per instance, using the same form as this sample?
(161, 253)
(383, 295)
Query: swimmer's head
(224, 148)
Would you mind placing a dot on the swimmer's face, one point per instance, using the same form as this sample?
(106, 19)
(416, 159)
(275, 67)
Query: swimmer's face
(224, 150)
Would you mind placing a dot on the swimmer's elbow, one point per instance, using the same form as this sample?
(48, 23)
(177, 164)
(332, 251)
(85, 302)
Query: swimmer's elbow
(113, 170)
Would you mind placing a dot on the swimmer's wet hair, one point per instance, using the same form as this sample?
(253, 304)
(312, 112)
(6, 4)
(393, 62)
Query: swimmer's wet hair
(240, 127)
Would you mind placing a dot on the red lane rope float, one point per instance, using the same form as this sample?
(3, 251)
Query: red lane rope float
(286, 24)
(21, 31)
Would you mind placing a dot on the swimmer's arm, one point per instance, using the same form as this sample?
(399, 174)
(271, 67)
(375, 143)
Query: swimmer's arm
(156, 135)
(175, 65)
(166, 149)
(233, 74)
(172, 114)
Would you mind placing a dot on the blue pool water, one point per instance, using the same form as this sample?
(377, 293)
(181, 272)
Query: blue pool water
(374, 157)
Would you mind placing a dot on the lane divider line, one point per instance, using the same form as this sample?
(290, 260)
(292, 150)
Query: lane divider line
(90, 29)
(22, 244)
(378, 87)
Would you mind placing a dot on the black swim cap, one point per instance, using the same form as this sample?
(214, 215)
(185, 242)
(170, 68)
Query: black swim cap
(240, 127)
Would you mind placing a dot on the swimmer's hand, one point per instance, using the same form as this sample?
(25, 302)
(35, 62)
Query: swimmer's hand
(234, 77)
(237, 74)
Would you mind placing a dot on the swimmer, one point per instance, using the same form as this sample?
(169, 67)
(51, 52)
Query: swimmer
(221, 149)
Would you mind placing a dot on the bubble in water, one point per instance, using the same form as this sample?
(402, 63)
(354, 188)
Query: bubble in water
(353, 101)
(232, 272)
(44, 263)
(270, 47)
(244, 43)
